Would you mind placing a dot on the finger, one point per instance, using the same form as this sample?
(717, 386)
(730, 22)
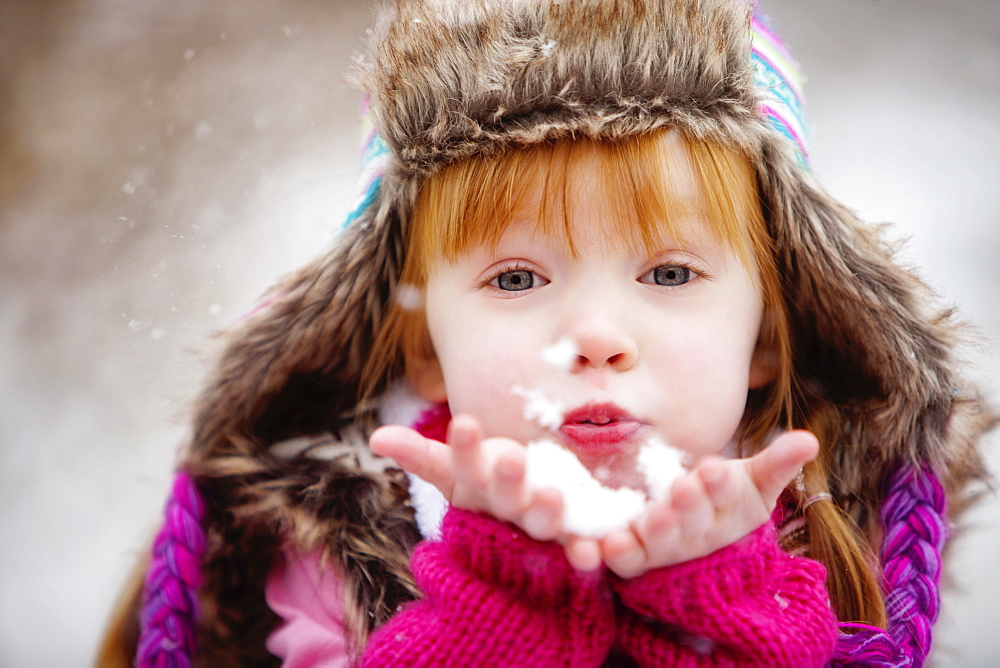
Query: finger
(423, 457)
(465, 437)
(684, 492)
(716, 477)
(659, 521)
(693, 505)
(507, 489)
(543, 518)
(624, 554)
(657, 530)
(584, 554)
(776, 466)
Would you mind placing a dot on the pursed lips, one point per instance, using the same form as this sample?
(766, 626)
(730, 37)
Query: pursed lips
(599, 428)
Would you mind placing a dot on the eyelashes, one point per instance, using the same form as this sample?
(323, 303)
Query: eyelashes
(515, 277)
(672, 274)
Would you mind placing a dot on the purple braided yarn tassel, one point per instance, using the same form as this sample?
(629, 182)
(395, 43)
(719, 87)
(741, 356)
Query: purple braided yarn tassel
(911, 556)
(170, 603)
(913, 515)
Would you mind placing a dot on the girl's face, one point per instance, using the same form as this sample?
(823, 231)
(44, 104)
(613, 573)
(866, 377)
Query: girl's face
(660, 341)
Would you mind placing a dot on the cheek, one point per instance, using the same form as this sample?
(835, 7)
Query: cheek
(704, 378)
(481, 367)
(718, 342)
(705, 369)
(471, 351)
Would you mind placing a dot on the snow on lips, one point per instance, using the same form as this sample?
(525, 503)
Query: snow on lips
(541, 410)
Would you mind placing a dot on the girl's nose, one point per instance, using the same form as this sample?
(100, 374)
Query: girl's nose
(603, 343)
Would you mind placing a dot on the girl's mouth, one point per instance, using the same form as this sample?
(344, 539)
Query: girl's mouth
(599, 429)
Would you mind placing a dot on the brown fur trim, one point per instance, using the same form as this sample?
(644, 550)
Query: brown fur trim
(360, 521)
(453, 79)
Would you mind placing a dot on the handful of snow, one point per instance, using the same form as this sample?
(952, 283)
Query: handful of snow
(590, 508)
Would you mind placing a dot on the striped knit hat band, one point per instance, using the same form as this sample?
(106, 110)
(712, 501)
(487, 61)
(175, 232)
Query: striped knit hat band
(780, 84)
(375, 154)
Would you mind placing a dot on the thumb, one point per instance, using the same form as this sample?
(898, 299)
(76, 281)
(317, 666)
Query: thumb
(777, 465)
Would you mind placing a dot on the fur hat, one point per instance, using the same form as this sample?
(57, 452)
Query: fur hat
(448, 79)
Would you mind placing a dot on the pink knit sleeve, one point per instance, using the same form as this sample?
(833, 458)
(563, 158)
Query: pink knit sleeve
(494, 596)
(309, 599)
(747, 604)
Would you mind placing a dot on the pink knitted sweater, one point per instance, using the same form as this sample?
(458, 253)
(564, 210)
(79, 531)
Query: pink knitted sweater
(494, 596)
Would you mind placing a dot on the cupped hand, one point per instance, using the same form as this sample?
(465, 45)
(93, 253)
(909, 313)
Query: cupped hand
(714, 505)
(484, 475)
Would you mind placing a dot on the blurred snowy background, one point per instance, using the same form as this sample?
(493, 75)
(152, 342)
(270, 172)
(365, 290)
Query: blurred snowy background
(161, 163)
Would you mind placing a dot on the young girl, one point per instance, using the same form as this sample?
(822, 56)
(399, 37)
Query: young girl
(625, 182)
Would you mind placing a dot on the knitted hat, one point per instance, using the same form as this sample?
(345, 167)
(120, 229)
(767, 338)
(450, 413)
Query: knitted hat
(449, 79)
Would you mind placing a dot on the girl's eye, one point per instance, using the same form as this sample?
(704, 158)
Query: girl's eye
(670, 275)
(515, 280)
